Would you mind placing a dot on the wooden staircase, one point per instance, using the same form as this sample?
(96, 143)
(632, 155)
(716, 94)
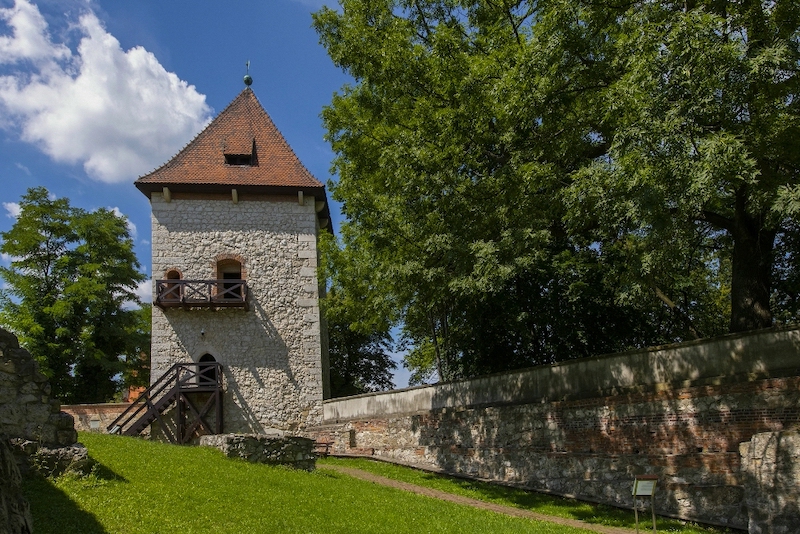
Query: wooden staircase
(195, 389)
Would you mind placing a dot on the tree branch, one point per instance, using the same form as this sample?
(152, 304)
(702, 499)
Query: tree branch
(715, 219)
(685, 319)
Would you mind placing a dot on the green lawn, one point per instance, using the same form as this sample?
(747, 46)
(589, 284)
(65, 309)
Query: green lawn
(536, 502)
(146, 487)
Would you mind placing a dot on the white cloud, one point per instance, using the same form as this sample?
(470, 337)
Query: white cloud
(13, 209)
(119, 113)
(23, 168)
(6, 258)
(30, 41)
(128, 223)
(144, 290)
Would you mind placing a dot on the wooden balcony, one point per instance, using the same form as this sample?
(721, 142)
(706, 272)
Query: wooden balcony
(201, 294)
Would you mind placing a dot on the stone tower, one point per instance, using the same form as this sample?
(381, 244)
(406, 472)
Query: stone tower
(235, 221)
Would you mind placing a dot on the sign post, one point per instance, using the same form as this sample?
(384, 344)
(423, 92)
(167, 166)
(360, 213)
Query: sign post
(644, 486)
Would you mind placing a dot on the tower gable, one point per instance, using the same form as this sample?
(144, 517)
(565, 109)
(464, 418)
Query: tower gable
(241, 148)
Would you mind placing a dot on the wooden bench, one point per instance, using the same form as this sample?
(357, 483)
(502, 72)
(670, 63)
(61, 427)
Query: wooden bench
(323, 448)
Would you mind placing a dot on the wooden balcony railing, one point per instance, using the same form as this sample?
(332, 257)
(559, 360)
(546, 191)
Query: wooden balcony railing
(201, 294)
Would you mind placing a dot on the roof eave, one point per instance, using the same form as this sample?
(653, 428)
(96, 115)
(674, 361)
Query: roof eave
(318, 192)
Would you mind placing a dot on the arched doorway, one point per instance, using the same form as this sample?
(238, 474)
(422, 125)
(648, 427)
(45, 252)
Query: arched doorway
(207, 373)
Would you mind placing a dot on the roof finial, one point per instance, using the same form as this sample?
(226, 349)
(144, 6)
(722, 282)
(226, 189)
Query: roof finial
(248, 80)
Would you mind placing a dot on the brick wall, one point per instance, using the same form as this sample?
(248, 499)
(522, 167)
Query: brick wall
(94, 417)
(687, 432)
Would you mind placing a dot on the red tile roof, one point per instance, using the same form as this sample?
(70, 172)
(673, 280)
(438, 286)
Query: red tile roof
(244, 127)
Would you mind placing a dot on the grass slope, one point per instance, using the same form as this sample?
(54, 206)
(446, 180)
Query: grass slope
(152, 488)
(536, 502)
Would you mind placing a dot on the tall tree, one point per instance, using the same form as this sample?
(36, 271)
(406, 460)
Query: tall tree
(704, 134)
(540, 180)
(359, 338)
(137, 350)
(71, 276)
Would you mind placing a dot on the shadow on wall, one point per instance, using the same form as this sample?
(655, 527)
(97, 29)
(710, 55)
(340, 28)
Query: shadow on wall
(255, 360)
(771, 467)
(587, 427)
(251, 390)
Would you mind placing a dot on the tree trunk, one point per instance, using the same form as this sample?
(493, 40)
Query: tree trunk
(751, 274)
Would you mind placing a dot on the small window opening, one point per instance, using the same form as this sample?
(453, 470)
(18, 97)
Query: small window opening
(208, 373)
(230, 270)
(172, 292)
(238, 159)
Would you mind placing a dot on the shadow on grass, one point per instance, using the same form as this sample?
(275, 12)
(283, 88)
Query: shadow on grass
(101, 472)
(548, 504)
(54, 512)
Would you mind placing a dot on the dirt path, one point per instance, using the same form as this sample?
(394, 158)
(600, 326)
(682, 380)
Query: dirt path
(508, 510)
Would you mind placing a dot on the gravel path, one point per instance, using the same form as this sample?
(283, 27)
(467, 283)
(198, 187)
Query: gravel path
(508, 510)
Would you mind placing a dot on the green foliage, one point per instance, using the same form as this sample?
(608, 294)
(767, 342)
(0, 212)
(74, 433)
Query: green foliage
(359, 339)
(137, 353)
(147, 487)
(71, 275)
(527, 182)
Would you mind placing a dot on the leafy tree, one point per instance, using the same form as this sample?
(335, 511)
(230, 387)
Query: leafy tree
(360, 342)
(137, 351)
(704, 137)
(71, 275)
(359, 362)
(534, 181)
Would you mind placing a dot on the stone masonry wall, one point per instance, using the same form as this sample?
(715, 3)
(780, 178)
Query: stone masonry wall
(94, 417)
(271, 354)
(771, 467)
(26, 409)
(585, 428)
(274, 448)
(591, 448)
(15, 513)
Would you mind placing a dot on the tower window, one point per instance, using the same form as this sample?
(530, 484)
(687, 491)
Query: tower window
(229, 269)
(172, 291)
(239, 159)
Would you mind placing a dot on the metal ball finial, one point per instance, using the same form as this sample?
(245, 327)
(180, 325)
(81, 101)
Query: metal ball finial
(248, 80)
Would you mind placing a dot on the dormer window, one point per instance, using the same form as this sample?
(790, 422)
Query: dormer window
(239, 159)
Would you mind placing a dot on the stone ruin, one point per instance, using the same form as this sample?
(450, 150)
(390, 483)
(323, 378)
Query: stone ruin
(35, 435)
(273, 447)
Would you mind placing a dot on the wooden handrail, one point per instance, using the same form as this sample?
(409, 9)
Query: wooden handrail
(181, 376)
(219, 293)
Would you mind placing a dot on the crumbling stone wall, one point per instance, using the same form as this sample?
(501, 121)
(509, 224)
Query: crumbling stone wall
(26, 409)
(274, 448)
(34, 432)
(771, 467)
(15, 514)
(41, 436)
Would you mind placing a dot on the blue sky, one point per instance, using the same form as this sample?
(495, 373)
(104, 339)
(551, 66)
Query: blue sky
(95, 93)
